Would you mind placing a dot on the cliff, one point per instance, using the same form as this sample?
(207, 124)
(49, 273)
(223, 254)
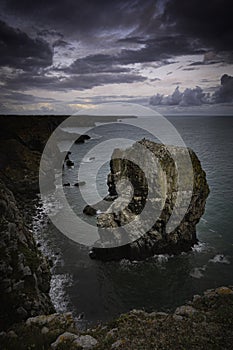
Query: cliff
(205, 323)
(156, 188)
(22, 140)
(25, 272)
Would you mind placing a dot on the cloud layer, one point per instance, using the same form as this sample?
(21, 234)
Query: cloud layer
(18, 50)
(196, 96)
(80, 46)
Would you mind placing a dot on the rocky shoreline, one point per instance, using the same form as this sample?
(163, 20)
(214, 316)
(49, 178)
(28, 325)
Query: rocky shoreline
(27, 316)
(205, 323)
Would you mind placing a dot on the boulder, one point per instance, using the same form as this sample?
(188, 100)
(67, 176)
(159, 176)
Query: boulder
(74, 341)
(82, 139)
(69, 163)
(85, 342)
(88, 210)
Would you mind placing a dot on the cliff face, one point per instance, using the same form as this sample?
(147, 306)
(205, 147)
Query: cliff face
(22, 140)
(24, 272)
(158, 190)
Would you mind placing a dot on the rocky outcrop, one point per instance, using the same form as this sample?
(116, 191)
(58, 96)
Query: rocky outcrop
(82, 138)
(155, 187)
(22, 140)
(24, 271)
(204, 323)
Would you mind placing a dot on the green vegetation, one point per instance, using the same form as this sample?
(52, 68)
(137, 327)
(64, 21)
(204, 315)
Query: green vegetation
(205, 323)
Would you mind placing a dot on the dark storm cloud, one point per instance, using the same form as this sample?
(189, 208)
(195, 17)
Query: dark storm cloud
(209, 21)
(81, 82)
(191, 24)
(80, 16)
(225, 92)
(160, 49)
(96, 64)
(17, 97)
(56, 33)
(60, 43)
(27, 81)
(18, 50)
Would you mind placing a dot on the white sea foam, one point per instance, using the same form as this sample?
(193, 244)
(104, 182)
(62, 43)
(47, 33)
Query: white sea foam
(198, 272)
(199, 247)
(58, 282)
(87, 160)
(219, 258)
(58, 294)
(161, 258)
(204, 220)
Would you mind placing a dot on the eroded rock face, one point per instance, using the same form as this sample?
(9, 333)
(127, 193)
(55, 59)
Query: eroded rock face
(173, 192)
(24, 271)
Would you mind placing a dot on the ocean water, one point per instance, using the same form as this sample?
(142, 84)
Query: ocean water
(100, 291)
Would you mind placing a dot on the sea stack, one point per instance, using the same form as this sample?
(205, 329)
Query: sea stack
(164, 203)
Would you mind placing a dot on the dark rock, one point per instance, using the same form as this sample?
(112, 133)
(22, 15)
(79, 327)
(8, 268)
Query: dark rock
(88, 210)
(82, 139)
(36, 145)
(12, 334)
(92, 254)
(69, 163)
(66, 184)
(80, 183)
(67, 155)
(162, 183)
(22, 312)
(24, 139)
(18, 285)
(25, 273)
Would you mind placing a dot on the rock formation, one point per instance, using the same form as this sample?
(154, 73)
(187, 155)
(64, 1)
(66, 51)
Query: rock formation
(24, 271)
(203, 323)
(157, 188)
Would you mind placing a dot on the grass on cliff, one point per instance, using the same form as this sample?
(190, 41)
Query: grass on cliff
(209, 328)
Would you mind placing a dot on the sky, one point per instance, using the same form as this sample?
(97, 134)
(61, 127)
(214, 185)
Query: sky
(58, 57)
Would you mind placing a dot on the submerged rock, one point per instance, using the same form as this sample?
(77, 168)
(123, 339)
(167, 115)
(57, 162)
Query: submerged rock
(79, 183)
(88, 210)
(162, 201)
(82, 138)
(69, 163)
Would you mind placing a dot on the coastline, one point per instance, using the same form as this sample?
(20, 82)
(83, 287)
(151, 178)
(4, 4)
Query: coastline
(25, 194)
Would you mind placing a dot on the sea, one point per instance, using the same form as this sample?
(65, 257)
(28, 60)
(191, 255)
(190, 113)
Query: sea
(98, 291)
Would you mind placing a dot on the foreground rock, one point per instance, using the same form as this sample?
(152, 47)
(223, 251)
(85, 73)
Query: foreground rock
(25, 272)
(156, 188)
(205, 323)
